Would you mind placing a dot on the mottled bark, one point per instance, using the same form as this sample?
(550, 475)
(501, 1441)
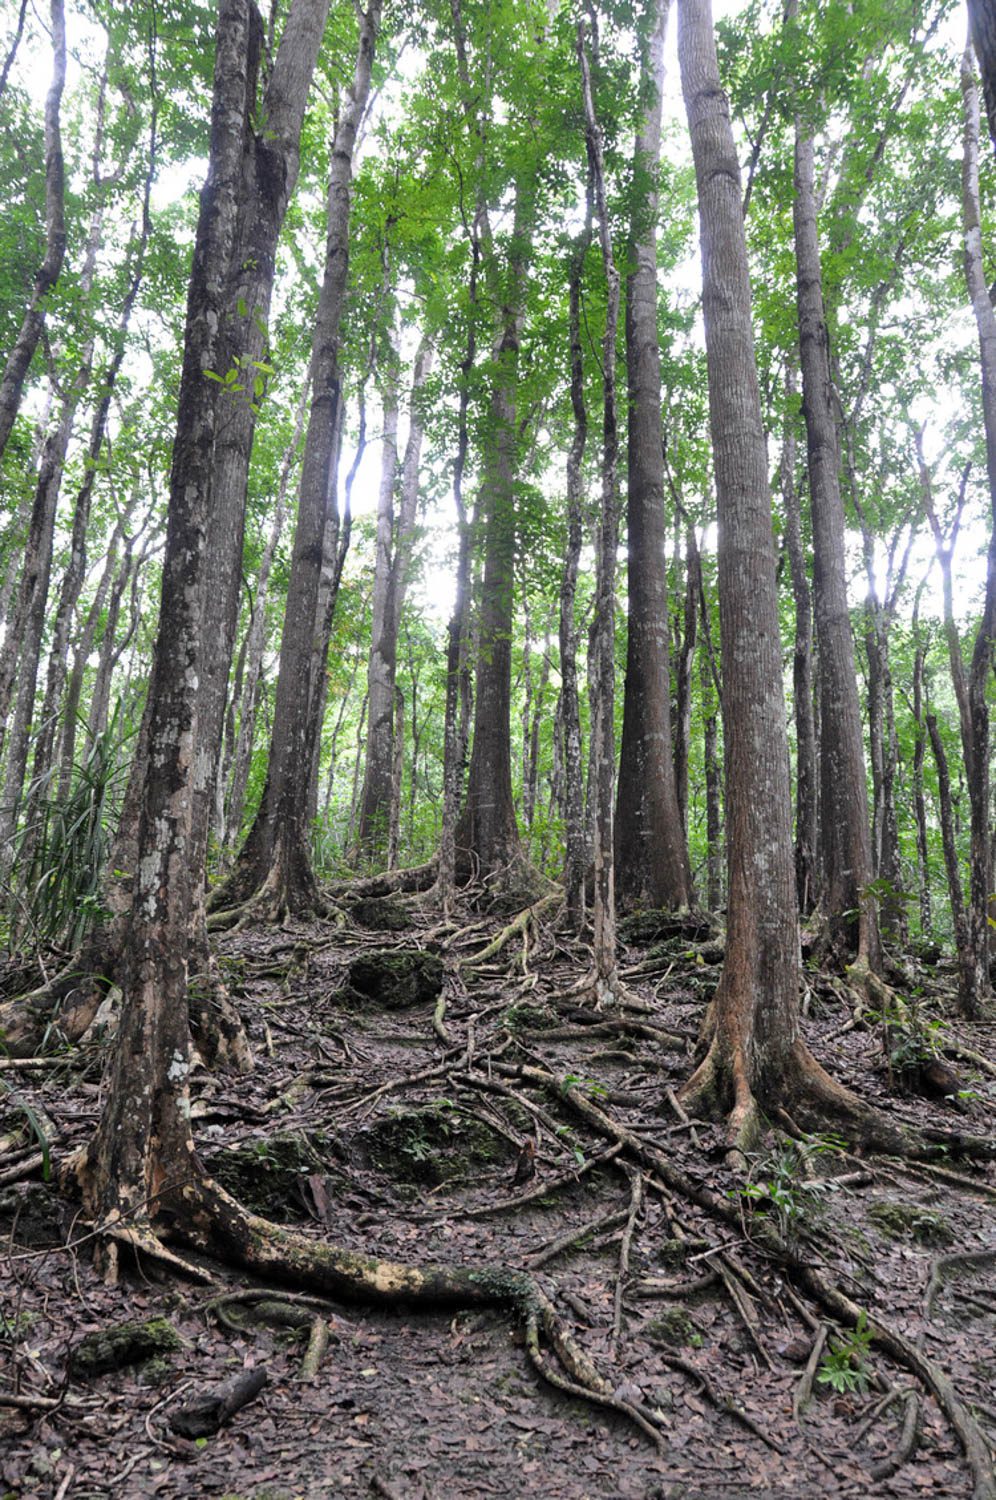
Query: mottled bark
(756, 1052)
(270, 163)
(454, 739)
(256, 642)
(977, 743)
(651, 844)
(143, 1142)
(20, 356)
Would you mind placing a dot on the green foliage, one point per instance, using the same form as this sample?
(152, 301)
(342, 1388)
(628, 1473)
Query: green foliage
(844, 1368)
(781, 1185)
(59, 859)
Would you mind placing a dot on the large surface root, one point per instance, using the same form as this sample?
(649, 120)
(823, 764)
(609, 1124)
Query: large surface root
(212, 1221)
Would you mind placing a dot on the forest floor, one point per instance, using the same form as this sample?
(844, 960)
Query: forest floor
(393, 1119)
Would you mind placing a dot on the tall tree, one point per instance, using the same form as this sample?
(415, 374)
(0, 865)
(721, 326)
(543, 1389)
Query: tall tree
(274, 867)
(144, 1131)
(395, 540)
(756, 1057)
(651, 847)
(845, 832)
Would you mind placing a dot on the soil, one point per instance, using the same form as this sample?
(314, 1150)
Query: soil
(404, 1132)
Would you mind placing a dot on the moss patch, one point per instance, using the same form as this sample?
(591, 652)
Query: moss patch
(396, 978)
(380, 914)
(125, 1344)
(433, 1145)
(901, 1221)
(524, 1017)
(270, 1176)
(675, 1328)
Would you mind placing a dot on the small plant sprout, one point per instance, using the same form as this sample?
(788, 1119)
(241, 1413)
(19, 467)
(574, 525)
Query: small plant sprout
(845, 1365)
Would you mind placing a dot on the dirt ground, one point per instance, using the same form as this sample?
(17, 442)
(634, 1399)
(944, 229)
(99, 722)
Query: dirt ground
(389, 1115)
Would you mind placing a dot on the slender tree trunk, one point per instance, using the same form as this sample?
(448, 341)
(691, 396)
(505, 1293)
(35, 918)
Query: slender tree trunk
(756, 1053)
(276, 853)
(980, 672)
(713, 793)
(683, 674)
(395, 537)
(256, 642)
(20, 356)
(603, 636)
(269, 174)
(845, 834)
(575, 837)
(919, 801)
(806, 779)
(487, 835)
(335, 546)
(651, 843)
(952, 864)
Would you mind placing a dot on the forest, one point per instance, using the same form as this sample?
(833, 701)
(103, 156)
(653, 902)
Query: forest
(498, 602)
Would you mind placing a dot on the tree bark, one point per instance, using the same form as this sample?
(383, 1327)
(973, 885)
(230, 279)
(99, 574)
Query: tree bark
(651, 843)
(756, 1053)
(806, 778)
(143, 1142)
(982, 25)
(977, 752)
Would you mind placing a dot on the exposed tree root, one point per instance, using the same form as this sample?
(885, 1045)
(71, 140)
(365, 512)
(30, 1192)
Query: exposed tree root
(946, 1263)
(388, 882)
(215, 1025)
(65, 1007)
(519, 924)
(204, 1216)
(821, 1288)
(721, 1403)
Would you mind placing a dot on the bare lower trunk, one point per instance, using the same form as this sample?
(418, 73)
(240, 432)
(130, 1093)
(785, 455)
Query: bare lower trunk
(143, 1138)
(395, 535)
(755, 1037)
(255, 644)
(806, 826)
(919, 801)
